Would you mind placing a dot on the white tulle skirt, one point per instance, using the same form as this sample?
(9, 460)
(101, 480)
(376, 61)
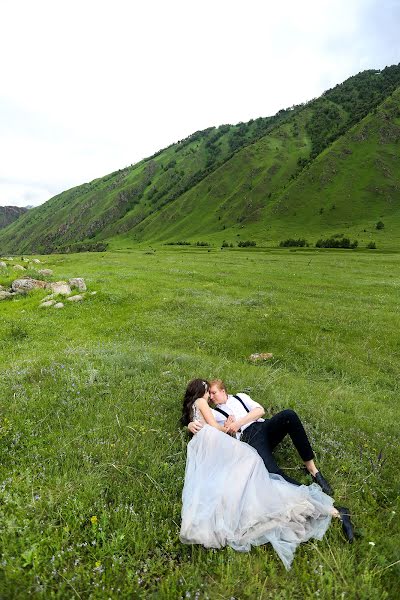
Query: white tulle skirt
(229, 498)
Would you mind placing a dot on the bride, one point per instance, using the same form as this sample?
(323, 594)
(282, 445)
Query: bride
(229, 498)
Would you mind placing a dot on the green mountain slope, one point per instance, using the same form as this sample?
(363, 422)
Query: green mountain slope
(307, 170)
(89, 210)
(9, 214)
(269, 192)
(352, 185)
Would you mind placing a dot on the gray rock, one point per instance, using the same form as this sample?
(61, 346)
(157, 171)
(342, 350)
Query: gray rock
(3, 265)
(4, 295)
(58, 305)
(260, 356)
(25, 285)
(47, 303)
(19, 268)
(76, 298)
(60, 287)
(36, 260)
(78, 282)
(45, 271)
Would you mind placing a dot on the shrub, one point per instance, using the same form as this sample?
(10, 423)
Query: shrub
(379, 225)
(371, 246)
(247, 244)
(182, 243)
(300, 243)
(335, 243)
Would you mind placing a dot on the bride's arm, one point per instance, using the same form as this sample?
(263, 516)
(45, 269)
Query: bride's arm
(207, 415)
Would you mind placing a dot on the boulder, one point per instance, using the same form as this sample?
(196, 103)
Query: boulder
(78, 282)
(19, 267)
(45, 271)
(25, 285)
(36, 261)
(3, 265)
(4, 294)
(76, 298)
(58, 305)
(47, 303)
(60, 287)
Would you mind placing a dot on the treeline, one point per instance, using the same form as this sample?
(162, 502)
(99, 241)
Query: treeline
(332, 242)
(336, 243)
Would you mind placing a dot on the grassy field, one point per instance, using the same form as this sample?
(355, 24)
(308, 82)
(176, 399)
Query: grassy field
(92, 456)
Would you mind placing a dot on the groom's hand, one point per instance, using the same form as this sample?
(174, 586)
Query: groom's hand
(232, 427)
(195, 426)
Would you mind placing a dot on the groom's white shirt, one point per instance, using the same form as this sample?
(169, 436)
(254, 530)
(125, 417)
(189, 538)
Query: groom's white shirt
(235, 408)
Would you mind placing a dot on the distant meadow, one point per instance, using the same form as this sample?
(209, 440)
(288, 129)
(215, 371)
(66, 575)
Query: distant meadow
(92, 456)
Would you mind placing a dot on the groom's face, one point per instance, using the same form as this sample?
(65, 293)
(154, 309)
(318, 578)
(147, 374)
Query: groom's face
(218, 396)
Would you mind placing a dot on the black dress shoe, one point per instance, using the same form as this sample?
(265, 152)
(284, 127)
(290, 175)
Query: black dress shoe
(346, 523)
(322, 482)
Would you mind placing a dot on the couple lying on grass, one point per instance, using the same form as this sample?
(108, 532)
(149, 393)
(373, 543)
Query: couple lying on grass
(234, 493)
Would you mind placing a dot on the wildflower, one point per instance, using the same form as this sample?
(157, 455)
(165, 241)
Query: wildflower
(93, 519)
(98, 564)
(371, 543)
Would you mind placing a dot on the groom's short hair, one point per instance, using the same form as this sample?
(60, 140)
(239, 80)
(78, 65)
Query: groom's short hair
(219, 383)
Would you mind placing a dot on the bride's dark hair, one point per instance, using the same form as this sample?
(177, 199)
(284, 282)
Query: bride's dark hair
(195, 389)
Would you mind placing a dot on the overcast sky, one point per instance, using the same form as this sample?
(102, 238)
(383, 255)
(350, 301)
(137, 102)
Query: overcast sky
(91, 86)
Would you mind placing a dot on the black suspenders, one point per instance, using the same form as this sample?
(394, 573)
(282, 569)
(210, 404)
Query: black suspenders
(242, 403)
(225, 413)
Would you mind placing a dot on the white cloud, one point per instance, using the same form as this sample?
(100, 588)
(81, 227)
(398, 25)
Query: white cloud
(92, 86)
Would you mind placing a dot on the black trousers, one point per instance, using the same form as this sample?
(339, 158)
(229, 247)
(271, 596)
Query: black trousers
(264, 437)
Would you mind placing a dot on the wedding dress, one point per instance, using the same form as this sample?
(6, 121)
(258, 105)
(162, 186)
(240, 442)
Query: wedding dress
(229, 498)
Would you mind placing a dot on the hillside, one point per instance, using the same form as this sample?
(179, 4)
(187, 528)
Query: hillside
(265, 179)
(268, 192)
(352, 185)
(9, 214)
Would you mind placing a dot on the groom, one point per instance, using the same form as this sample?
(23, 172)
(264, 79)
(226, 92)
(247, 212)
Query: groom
(243, 418)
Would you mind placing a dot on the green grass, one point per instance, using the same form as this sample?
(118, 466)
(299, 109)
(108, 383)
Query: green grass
(92, 456)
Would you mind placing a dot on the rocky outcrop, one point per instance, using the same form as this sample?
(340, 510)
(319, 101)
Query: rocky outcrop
(9, 214)
(78, 283)
(25, 285)
(60, 287)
